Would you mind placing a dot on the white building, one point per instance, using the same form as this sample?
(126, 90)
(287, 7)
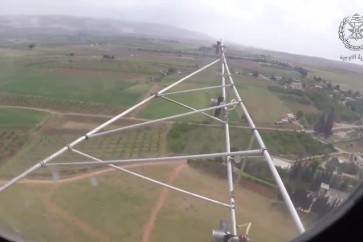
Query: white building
(296, 85)
(357, 159)
(291, 117)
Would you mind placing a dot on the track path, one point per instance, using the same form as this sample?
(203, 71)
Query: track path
(142, 119)
(148, 229)
(90, 174)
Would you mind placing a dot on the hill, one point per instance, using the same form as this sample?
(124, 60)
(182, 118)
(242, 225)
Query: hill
(17, 26)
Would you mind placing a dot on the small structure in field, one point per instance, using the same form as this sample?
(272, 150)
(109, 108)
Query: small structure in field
(296, 85)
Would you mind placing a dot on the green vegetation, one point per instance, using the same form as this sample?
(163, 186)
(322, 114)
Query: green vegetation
(200, 139)
(298, 143)
(118, 208)
(176, 138)
(20, 118)
(130, 144)
(322, 101)
(15, 126)
(349, 168)
(74, 78)
(325, 103)
(185, 214)
(105, 90)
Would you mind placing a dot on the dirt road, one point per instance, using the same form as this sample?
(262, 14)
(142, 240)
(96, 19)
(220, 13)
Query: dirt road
(159, 204)
(87, 175)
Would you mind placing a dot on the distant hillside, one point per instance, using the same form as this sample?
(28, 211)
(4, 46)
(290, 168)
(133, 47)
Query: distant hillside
(58, 25)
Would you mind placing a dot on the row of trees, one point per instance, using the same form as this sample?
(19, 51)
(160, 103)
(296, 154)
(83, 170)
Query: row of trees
(324, 125)
(305, 180)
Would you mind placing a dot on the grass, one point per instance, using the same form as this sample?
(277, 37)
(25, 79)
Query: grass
(264, 107)
(130, 144)
(15, 126)
(198, 218)
(255, 95)
(117, 208)
(20, 118)
(193, 139)
(27, 217)
(59, 105)
(108, 91)
(351, 146)
(347, 80)
(159, 107)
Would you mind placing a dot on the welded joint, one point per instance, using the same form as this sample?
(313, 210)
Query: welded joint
(86, 136)
(263, 149)
(69, 147)
(42, 164)
(156, 94)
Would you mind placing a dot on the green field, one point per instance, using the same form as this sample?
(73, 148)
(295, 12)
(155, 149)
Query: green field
(147, 142)
(346, 79)
(20, 118)
(118, 208)
(16, 127)
(193, 139)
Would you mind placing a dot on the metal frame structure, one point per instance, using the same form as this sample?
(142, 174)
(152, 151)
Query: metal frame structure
(228, 155)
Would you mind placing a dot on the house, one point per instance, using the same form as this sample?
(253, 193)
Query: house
(296, 85)
(357, 159)
(349, 99)
(334, 194)
(262, 77)
(324, 188)
(278, 78)
(291, 117)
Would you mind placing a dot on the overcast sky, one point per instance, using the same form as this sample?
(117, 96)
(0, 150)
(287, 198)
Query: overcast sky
(297, 26)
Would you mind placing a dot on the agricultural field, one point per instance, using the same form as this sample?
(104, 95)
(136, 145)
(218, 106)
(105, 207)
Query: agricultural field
(75, 93)
(99, 212)
(193, 139)
(60, 131)
(351, 146)
(346, 79)
(15, 130)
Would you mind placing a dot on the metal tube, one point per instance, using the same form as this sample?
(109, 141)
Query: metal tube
(244, 160)
(274, 172)
(154, 181)
(62, 150)
(157, 159)
(38, 165)
(161, 120)
(193, 90)
(188, 107)
(228, 160)
(188, 76)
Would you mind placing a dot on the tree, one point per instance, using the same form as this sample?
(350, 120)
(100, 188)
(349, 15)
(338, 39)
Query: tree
(319, 125)
(31, 46)
(272, 78)
(337, 87)
(356, 94)
(328, 127)
(300, 198)
(171, 70)
(255, 74)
